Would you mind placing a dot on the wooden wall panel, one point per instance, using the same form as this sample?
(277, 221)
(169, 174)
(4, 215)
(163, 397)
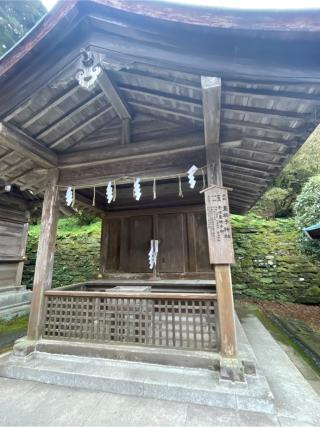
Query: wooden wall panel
(8, 272)
(10, 238)
(13, 239)
(183, 247)
(201, 242)
(113, 245)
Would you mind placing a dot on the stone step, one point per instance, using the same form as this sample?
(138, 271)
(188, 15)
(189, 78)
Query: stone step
(199, 386)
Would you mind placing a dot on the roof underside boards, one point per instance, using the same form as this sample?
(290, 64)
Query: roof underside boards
(152, 71)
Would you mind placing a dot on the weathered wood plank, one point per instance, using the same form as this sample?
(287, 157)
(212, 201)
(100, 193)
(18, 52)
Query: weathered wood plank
(28, 147)
(113, 96)
(136, 295)
(211, 92)
(126, 131)
(145, 149)
(45, 255)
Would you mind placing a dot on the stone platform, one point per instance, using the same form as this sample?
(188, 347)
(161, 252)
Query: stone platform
(198, 382)
(15, 302)
(295, 401)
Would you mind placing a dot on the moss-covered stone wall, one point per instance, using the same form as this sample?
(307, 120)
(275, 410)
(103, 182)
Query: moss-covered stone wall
(77, 253)
(268, 266)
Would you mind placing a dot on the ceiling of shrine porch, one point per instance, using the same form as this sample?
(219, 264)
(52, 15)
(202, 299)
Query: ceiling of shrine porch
(145, 117)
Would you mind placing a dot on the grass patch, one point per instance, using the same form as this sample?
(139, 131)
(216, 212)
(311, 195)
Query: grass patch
(13, 325)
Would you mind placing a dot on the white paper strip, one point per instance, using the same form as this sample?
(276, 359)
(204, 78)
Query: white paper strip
(109, 192)
(191, 178)
(137, 189)
(69, 196)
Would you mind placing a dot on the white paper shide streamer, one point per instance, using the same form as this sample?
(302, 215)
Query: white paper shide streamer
(69, 196)
(191, 178)
(153, 253)
(137, 189)
(109, 192)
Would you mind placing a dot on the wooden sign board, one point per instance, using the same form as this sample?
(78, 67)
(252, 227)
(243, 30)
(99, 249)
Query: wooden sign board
(218, 225)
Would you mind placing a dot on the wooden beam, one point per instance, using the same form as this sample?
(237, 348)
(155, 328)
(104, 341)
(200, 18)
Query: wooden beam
(139, 150)
(279, 130)
(267, 112)
(243, 153)
(113, 96)
(157, 96)
(20, 175)
(301, 97)
(127, 171)
(211, 99)
(160, 109)
(26, 146)
(126, 131)
(45, 255)
(195, 103)
(211, 92)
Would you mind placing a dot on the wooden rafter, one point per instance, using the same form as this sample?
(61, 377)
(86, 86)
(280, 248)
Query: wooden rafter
(113, 96)
(77, 128)
(69, 115)
(52, 104)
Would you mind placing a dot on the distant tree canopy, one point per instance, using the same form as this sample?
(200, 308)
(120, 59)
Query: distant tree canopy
(16, 18)
(278, 201)
(307, 212)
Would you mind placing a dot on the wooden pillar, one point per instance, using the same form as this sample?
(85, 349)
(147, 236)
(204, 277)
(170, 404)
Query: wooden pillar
(22, 251)
(45, 255)
(104, 245)
(211, 100)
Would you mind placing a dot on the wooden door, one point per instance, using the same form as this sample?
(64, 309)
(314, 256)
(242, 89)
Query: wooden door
(140, 232)
(171, 235)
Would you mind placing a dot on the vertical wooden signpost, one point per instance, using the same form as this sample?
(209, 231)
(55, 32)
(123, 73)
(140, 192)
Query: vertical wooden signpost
(217, 213)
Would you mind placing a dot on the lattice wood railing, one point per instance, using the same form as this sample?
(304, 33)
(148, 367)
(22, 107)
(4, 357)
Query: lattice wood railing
(172, 320)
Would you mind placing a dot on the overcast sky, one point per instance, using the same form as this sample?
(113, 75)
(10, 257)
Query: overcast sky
(240, 4)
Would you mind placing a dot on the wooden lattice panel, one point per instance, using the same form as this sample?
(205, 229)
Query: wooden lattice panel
(188, 324)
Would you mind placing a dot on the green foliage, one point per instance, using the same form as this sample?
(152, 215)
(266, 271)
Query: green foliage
(16, 18)
(84, 218)
(274, 203)
(307, 212)
(278, 201)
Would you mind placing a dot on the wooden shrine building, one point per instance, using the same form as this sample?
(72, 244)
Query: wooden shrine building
(110, 98)
(14, 222)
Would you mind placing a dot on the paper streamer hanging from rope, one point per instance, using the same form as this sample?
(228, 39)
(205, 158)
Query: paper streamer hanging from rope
(191, 178)
(69, 196)
(109, 192)
(94, 197)
(153, 253)
(137, 189)
(154, 189)
(180, 188)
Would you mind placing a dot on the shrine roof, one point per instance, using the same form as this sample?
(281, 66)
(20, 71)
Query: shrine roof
(154, 54)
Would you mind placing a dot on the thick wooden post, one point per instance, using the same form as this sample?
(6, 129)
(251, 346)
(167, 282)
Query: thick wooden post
(104, 244)
(211, 100)
(45, 255)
